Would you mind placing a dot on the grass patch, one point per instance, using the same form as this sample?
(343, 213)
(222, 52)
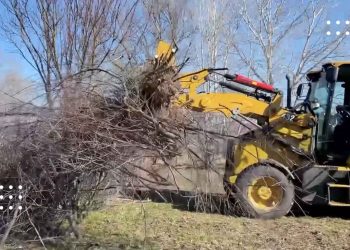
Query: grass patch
(134, 225)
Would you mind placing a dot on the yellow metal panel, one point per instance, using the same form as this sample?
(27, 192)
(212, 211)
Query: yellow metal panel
(336, 185)
(343, 169)
(232, 179)
(193, 80)
(248, 155)
(291, 132)
(299, 136)
(339, 63)
(306, 144)
(223, 102)
(339, 204)
(165, 52)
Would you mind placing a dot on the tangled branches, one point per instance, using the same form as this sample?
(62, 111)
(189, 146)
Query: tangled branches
(62, 158)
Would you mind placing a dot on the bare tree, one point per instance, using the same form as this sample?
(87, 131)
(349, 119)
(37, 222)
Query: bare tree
(62, 38)
(316, 46)
(214, 22)
(275, 36)
(162, 20)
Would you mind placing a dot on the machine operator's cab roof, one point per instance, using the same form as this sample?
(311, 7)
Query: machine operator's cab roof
(343, 72)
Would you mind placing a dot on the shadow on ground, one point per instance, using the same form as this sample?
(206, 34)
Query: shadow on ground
(220, 204)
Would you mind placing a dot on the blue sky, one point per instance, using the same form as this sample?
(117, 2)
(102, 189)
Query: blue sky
(10, 61)
(340, 11)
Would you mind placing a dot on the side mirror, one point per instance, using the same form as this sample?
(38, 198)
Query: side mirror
(332, 74)
(300, 90)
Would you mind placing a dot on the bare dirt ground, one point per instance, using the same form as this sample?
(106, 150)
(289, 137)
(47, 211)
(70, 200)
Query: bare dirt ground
(150, 225)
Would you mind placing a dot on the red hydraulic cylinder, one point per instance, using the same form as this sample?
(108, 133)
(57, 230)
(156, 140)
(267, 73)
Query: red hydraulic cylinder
(250, 82)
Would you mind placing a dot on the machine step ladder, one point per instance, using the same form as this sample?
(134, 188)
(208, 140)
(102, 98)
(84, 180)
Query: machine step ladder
(339, 187)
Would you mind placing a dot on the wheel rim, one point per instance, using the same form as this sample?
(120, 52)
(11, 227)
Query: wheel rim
(265, 193)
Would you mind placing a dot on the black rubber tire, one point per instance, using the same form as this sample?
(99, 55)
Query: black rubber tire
(247, 177)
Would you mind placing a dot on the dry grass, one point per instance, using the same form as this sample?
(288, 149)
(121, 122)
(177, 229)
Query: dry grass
(134, 225)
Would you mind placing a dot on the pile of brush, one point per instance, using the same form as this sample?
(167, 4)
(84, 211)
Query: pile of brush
(157, 86)
(62, 160)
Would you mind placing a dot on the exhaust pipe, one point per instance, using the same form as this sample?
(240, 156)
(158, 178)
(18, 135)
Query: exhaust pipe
(289, 92)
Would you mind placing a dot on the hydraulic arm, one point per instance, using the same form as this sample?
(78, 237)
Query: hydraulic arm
(254, 99)
(247, 97)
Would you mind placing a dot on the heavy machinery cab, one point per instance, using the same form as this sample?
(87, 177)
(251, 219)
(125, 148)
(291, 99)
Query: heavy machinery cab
(329, 98)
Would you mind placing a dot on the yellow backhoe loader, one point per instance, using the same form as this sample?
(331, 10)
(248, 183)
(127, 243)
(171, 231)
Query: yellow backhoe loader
(296, 152)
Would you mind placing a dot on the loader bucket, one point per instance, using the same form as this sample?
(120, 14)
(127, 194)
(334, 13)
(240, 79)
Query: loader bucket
(165, 52)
